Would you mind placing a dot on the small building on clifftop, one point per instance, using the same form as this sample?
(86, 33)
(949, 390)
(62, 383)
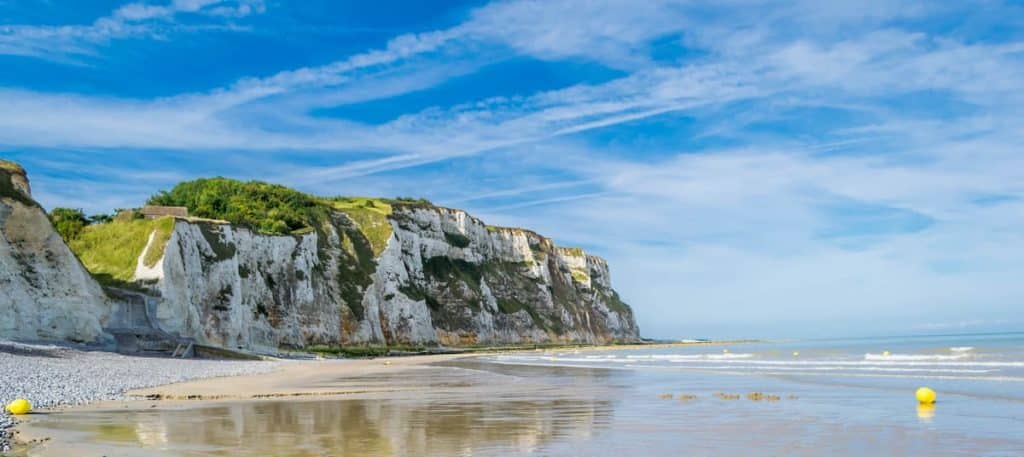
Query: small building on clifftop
(153, 212)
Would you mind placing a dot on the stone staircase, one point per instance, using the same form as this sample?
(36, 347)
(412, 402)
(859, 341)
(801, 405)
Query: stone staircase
(136, 332)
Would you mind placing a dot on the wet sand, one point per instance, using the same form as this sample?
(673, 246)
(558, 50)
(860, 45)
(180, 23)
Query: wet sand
(340, 402)
(306, 378)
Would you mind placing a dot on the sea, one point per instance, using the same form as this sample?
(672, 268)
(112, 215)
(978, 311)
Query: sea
(842, 396)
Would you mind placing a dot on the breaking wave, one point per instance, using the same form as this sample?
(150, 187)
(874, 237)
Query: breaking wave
(913, 357)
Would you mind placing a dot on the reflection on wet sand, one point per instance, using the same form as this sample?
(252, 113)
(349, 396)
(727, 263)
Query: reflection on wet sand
(348, 427)
(454, 412)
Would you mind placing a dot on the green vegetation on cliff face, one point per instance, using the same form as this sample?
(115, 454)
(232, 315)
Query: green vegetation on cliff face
(267, 208)
(575, 252)
(371, 214)
(110, 251)
(356, 264)
(616, 304)
(580, 275)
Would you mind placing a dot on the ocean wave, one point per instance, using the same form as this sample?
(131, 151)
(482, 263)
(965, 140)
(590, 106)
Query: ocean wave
(867, 368)
(961, 349)
(883, 372)
(912, 357)
(688, 357)
(745, 360)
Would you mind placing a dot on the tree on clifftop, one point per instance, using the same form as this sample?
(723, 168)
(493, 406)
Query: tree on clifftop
(267, 208)
(69, 222)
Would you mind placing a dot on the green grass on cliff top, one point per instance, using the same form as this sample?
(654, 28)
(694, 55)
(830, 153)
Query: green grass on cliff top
(278, 210)
(372, 216)
(273, 209)
(111, 250)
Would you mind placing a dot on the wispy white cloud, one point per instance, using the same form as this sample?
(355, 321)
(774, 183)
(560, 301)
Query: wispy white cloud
(617, 33)
(523, 190)
(851, 68)
(548, 201)
(66, 43)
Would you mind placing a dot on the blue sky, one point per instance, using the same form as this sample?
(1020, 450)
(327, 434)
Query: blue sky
(748, 168)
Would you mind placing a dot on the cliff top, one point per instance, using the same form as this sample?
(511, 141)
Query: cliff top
(11, 167)
(273, 209)
(279, 210)
(11, 189)
(573, 251)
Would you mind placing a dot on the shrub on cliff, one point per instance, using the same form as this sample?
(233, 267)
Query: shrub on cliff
(267, 208)
(69, 222)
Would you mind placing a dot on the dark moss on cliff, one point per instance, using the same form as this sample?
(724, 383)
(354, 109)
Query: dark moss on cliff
(7, 189)
(616, 304)
(213, 234)
(356, 264)
(457, 239)
(446, 269)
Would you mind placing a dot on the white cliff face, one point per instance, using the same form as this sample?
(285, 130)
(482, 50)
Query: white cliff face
(229, 287)
(503, 285)
(45, 292)
(444, 278)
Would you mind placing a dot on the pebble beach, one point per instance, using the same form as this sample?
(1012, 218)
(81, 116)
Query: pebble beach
(52, 376)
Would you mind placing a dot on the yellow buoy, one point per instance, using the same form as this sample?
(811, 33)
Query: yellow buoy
(885, 354)
(796, 353)
(925, 396)
(19, 406)
(725, 351)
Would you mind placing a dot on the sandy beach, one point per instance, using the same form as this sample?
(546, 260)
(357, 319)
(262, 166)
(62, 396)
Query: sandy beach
(301, 383)
(57, 377)
(756, 399)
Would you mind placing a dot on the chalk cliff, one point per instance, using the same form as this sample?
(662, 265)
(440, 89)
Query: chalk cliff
(45, 292)
(371, 272)
(441, 277)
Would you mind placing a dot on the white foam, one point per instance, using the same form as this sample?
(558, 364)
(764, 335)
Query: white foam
(912, 357)
(849, 368)
(961, 349)
(881, 372)
(688, 357)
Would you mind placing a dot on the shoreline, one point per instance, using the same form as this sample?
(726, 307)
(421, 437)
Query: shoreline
(293, 378)
(514, 348)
